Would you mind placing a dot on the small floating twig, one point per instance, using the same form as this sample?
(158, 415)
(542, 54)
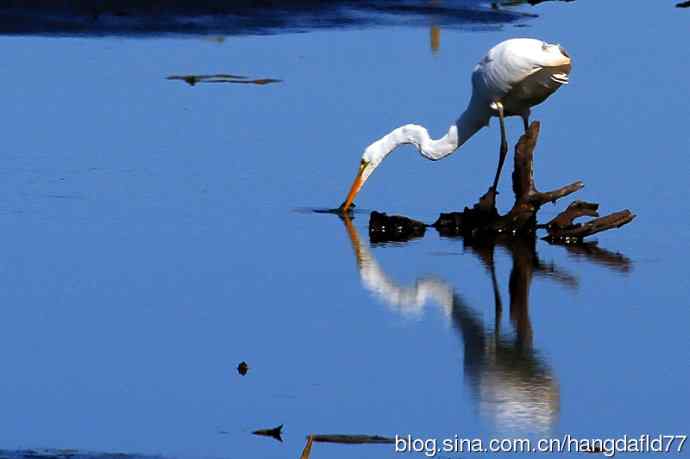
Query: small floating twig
(352, 439)
(221, 78)
(343, 439)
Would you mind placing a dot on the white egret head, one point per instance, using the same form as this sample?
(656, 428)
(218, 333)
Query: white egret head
(553, 55)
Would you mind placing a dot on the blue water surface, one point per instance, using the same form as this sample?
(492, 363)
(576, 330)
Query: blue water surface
(155, 235)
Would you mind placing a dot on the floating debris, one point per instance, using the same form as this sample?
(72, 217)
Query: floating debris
(192, 80)
(243, 368)
(343, 439)
(275, 432)
(394, 228)
(352, 439)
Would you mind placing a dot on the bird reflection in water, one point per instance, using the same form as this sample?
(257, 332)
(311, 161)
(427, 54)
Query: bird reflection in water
(434, 33)
(513, 385)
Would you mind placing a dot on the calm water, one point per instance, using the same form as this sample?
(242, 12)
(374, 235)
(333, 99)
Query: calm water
(154, 238)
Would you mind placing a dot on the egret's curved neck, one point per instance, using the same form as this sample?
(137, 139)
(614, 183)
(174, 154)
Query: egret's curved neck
(434, 149)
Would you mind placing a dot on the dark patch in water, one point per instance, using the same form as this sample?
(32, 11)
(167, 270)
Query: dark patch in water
(240, 17)
(394, 228)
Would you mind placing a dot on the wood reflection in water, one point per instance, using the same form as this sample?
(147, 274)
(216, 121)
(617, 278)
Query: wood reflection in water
(512, 384)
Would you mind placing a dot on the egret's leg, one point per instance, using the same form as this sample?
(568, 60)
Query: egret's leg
(525, 121)
(504, 145)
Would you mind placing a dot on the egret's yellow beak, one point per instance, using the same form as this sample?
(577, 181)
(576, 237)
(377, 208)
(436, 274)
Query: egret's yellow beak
(356, 186)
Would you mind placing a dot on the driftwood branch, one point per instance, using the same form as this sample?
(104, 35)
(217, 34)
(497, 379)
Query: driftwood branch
(343, 439)
(575, 209)
(351, 439)
(576, 232)
(483, 221)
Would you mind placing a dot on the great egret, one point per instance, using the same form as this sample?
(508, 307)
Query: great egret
(514, 76)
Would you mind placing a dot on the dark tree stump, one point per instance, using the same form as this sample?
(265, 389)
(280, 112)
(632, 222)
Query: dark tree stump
(483, 221)
(395, 228)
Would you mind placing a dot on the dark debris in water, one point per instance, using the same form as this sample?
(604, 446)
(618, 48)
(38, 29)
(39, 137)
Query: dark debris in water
(243, 368)
(343, 439)
(683, 4)
(394, 228)
(275, 432)
(351, 439)
(192, 80)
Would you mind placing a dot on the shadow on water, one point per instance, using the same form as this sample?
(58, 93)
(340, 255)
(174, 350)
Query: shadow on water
(513, 385)
(239, 17)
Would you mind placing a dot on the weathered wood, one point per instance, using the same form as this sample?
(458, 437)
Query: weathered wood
(394, 228)
(351, 439)
(575, 209)
(483, 221)
(575, 233)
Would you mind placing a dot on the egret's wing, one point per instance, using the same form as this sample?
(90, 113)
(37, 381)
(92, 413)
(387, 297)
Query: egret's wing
(541, 82)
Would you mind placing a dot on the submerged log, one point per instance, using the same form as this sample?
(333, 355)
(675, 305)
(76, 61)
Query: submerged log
(395, 228)
(483, 221)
